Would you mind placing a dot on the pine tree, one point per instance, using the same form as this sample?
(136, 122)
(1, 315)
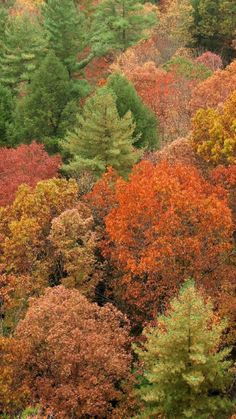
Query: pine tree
(101, 139)
(24, 45)
(6, 110)
(49, 107)
(66, 29)
(185, 373)
(119, 24)
(128, 100)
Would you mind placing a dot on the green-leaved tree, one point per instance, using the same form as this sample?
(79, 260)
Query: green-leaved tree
(101, 138)
(66, 29)
(119, 24)
(186, 375)
(23, 46)
(127, 99)
(49, 106)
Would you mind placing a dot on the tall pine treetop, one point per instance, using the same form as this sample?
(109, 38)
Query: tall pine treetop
(65, 26)
(119, 24)
(101, 138)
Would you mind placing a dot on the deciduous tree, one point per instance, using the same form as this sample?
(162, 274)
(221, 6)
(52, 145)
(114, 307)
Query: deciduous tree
(76, 354)
(213, 133)
(167, 224)
(215, 90)
(26, 164)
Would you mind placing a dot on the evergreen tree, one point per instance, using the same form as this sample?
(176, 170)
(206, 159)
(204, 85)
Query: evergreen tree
(49, 106)
(101, 138)
(6, 109)
(119, 24)
(214, 26)
(127, 99)
(24, 45)
(185, 373)
(66, 29)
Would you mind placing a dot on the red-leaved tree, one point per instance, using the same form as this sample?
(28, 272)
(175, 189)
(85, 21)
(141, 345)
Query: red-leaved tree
(25, 164)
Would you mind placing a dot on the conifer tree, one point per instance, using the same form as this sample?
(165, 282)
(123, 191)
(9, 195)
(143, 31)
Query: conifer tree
(49, 107)
(65, 26)
(101, 138)
(185, 373)
(119, 24)
(128, 100)
(24, 45)
(6, 110)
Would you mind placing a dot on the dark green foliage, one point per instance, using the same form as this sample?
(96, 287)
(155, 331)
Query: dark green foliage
(49, 107)
(24, 45)
(127, 100)
(214, 26)
(119, 24)
(188, 68)
(66, 29)
(185, 373)
(101, 138)
(6, 109)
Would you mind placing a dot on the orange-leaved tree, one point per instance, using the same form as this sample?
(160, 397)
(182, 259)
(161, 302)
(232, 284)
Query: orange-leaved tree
(168, 224)
(212, 92)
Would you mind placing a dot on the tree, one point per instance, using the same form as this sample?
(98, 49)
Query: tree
(213, 133)
(167, 223)
(49, 106)
(76, 354)
(214, 26)
(25, 227)
(174, 29)
(118, 24)
(213, 91)
(210, 60)
(26, 164)
(65, 25)
(188, 68)
(6, 111)
(101, 138)
(145, 133)
(185, 373)
(74, 243)
(167, 94)
(24, 46)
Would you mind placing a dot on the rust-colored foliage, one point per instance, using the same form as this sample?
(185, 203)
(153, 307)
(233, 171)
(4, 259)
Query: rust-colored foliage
(169, 224)
(102, 197)
(76, 354)
(167, 94)
(215, 90)
(25, 164)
